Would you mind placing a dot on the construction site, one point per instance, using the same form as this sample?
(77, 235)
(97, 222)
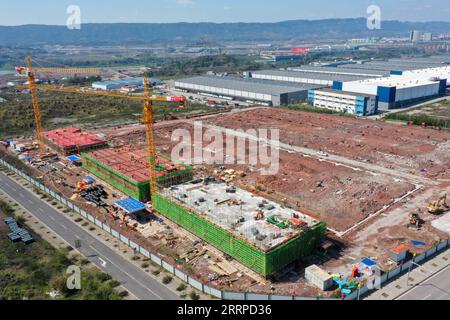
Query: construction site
(261, 234)
(363, 179)
(347, 192)
(127, 167)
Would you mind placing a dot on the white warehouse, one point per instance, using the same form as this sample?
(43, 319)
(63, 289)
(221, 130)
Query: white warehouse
(310, 77)
(343, 101)
(397, 91)
(271, 93)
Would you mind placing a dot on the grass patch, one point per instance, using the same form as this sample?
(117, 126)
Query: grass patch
(32, 271)
(156, 272)
(194, 296)
(181, 287)
(167, 279)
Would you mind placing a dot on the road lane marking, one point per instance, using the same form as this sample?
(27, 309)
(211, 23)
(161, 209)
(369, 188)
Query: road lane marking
(102, 261)
(129, 275)
(96, 241)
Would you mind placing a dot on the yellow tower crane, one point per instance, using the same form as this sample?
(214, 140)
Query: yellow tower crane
(148, 116)
(32, 86)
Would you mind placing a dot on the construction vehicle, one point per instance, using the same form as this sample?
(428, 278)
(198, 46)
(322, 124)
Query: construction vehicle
(414, 220)
(439, 206)
(148, 118)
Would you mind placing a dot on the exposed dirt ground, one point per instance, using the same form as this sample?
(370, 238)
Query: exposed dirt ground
(397, 147)
(338, 194)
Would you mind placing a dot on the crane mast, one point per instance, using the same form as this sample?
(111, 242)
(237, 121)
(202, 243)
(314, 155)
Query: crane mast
(35, 100)
(149, 127)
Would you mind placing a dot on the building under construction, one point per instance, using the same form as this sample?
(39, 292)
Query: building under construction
(261, 234)
(69, 141)
(127, 169)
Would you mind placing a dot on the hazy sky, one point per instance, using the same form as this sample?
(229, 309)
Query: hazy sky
(54, 11)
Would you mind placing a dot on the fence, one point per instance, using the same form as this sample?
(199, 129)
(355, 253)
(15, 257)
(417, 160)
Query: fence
(197, 284)
(388, 276)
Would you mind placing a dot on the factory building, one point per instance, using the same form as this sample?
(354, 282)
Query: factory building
(265, 92)
(341, 71)
(259, 233)
(343, 101)
(429, 73)
(397, 67)
(316, 78)
(396, 91)
(118, 84)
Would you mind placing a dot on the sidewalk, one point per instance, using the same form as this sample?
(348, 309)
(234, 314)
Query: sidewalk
(418, 275)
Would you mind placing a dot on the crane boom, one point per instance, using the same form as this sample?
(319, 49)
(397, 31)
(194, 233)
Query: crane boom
(68, 71)
(33, 87)
(148, 116)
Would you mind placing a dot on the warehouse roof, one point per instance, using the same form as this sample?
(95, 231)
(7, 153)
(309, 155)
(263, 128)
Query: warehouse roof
(347, 69)
(391, 65)
(310, 75)
(444, 59)
(400, 82)
(249, 84)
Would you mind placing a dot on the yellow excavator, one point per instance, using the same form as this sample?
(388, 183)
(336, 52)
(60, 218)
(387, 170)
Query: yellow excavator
(439, 206)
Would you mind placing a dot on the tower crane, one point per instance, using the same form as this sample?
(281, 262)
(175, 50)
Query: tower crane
(148, 115)
(30, 72)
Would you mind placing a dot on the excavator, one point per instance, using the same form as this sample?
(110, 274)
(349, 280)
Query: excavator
(439, 206)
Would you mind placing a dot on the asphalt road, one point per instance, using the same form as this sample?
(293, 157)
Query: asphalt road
(134, 279)
(435, 288)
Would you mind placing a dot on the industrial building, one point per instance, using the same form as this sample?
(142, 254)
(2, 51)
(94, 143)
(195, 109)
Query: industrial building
(341, 71)
(261, 234)
(127, 169)
(69, 141)
(315, 78)
(271, 93)
(397, 67)
(343, 101)
(397, 91)
(118, 84)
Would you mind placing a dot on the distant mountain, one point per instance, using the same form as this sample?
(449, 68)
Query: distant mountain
(145, 33)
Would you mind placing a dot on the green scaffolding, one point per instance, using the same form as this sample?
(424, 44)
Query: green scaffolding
(265, 263)
(138, 190)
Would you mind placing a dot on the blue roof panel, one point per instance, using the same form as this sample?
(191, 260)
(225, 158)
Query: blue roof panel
(131, 205)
